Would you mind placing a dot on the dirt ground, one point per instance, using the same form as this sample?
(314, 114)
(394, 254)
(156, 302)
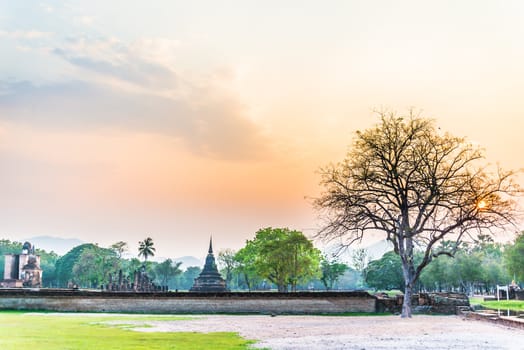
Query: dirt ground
(373, 332)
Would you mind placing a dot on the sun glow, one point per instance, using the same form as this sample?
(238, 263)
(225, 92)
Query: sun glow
(481, 205)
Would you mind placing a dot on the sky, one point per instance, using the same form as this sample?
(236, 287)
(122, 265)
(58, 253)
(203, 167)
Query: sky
(181, 120)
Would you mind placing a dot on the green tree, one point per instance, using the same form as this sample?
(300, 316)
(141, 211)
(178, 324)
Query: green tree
(94, 265)
(120, 248)
(494, 268)
(476, 268)
(284, 257)
(468, 265)
(514, 257)
(167, 270)
(360, 260)
(245, 260)
(331, 270)
(146, 249)
(64, 264)
(188, 277)
(85, 270)
(385, 273)
(227, 263)
(418, 186)
(129, 266)
(436, 276)
(350, 280)
(493, 271)
(48, 266)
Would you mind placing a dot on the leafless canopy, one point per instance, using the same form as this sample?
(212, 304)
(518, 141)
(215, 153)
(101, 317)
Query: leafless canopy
(417, 185)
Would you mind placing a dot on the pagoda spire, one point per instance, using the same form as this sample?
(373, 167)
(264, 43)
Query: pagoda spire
(210, 251)
(209, 279)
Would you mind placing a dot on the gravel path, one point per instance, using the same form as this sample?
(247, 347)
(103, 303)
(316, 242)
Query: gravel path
(374, 332)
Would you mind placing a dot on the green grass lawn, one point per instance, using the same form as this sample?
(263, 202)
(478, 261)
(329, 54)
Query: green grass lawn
(476, 301)
(514, 305)
(43, 331)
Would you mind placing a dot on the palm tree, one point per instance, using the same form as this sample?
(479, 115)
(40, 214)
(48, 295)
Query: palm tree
(145, 248)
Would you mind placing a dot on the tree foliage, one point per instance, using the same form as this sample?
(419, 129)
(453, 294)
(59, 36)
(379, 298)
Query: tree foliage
(227, 263)
(167, 270)
(418, 186)
(187, 278)
(146, 248)
(514, 257)
(475, 268)
(246, 266)
(93, 266)
(48, 266)
(283, 256)
(64, 265)
(120, 248)
(360, 259)
(331, 270)
(385, 273)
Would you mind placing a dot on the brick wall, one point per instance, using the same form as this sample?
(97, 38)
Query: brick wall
(278, 303)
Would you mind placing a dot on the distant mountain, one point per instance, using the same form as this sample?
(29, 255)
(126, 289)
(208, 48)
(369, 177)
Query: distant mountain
(58, 245)
(188, 261)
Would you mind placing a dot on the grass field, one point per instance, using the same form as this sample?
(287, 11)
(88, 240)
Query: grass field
(514, 305)
(44, 331)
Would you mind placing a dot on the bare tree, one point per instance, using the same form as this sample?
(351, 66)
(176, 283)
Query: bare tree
(120, 248)
(360, 259)
(226, 260)
(417, 185)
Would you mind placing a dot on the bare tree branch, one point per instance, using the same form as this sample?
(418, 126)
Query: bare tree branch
(418, 186)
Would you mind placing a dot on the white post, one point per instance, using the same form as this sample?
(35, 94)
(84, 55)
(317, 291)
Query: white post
(504, 288)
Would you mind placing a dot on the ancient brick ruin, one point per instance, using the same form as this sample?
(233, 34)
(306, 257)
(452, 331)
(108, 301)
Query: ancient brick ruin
(209, 279)
(22, 270)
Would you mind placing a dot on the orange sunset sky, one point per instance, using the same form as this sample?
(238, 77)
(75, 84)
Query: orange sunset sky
(184, 119)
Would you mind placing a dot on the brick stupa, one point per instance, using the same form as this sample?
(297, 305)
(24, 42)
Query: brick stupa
(209, 279)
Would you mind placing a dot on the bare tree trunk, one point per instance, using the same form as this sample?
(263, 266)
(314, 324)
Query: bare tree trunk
(246, 280)
(406, 304)
(282, 288)
(408, 270)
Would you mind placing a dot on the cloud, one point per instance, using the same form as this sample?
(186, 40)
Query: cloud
(85, 20)
(213, 127)
(111, 58)
(135, 87)
(28, 34)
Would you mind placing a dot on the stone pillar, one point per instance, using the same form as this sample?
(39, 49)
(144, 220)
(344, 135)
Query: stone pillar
(119, 280)
(8, 266)
(135, 281)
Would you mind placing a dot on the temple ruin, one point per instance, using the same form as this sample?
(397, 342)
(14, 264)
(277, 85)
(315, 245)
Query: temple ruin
(209, 279)
(22, 270)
